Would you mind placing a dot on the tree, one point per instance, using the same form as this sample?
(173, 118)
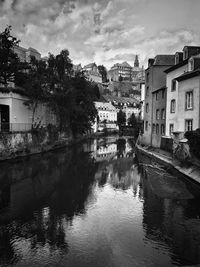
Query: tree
(83, 113)
(64, 64)
(132, 121)
(103, 72)
(121, 118)
(9, 61)
(35, 85)
(71, 96)
(120, 78)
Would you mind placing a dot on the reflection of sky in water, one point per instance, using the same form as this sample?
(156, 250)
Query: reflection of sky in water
(69, 209)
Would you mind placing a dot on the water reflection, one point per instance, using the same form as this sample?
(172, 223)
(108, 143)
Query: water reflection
(92, 206)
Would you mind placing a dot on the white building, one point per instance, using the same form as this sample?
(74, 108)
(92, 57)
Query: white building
(15, 116)
(127, 104)
(107, 117)
(183, 92)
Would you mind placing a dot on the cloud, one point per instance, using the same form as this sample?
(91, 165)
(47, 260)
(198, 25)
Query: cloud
(105, 31)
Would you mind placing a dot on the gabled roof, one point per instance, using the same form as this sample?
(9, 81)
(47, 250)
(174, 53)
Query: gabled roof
(125, 64)
(121, 99)
(104, 105)
(191, 46)
(161, 88)
(184, 62)
(188, 75)
(90, 65)
(33, 49)
(164, 60)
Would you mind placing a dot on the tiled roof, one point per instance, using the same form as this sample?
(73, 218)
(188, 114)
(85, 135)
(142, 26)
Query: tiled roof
(161, 88)
(125, 64)
(33, 49)
(184, 62)
(104, 105)
(89, 65)
(121, 99)
(188, 75)
(164, 60)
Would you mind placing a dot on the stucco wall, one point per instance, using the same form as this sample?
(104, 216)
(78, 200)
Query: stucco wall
(172, 118)
(157, 79)
(192, 84)
(158, 104)
(21, 115)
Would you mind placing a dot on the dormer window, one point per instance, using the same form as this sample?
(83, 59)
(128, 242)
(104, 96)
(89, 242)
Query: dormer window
(191, 65)
(176, 59)
(185, 53)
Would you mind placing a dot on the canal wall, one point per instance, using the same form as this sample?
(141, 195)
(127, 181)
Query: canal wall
(20, 144)
(174, 166)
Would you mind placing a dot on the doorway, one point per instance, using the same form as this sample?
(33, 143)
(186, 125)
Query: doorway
(4, 118)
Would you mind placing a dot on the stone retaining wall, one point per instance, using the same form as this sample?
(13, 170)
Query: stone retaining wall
(19, 144)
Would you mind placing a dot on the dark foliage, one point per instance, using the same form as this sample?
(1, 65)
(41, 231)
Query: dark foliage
(194, 141)
(9, 61)
(121, 118)
(103, 72)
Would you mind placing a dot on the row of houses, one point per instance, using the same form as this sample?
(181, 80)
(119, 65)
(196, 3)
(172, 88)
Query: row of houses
(108, 108)
(172, 95)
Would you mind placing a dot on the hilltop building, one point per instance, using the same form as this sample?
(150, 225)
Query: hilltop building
(92, 73)
(125, 72)
(26, 54)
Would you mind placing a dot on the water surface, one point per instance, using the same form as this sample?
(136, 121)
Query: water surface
(91, 205)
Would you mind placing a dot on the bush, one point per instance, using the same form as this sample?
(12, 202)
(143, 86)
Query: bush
(194, 141)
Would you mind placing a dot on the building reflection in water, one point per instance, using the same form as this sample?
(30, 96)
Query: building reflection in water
(41, 198)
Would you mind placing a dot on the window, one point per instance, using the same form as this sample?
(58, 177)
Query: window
(157, 128)
(185, 53)
(147, 91)
(173, 88)
(162, 129)
(147, 77)
(188, 125)
(173, 106)
(156, 95)
(189, 100)
(176, 58)
(163, 93)
(157, 114)
(154, 128)
(146, 126)
(163, 114)
(191, 65)
(147, 108)
(171, 129)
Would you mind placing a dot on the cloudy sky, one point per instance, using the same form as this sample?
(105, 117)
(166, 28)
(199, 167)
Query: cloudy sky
(104, 31)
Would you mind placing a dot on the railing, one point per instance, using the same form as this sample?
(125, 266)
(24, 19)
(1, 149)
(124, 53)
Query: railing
(15, 127)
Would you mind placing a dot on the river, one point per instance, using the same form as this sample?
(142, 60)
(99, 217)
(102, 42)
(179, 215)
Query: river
(91, 205)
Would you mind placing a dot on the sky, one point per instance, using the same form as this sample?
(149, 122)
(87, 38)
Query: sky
(104, 31)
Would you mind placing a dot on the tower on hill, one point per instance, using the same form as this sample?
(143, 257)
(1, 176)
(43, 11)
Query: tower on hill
(136, 62)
